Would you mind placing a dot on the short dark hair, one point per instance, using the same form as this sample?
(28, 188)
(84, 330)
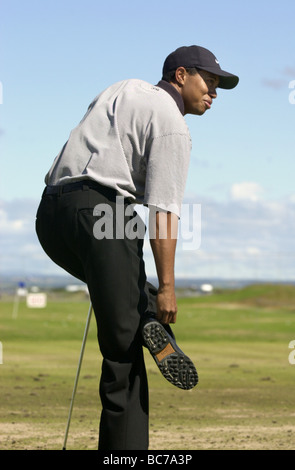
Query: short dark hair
(170, 76)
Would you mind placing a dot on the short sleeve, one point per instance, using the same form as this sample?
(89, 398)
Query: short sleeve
(167, 168)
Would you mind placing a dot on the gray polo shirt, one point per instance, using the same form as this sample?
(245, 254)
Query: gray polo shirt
(133, 138)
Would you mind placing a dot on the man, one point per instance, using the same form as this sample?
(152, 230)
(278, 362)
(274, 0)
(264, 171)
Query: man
(132, 146)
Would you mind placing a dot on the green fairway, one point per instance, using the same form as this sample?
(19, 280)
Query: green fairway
(239, 341)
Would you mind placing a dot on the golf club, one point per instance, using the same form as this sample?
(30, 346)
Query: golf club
(77, 374)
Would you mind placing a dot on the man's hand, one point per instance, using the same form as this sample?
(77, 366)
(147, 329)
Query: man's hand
(163, 239)
(166, 305)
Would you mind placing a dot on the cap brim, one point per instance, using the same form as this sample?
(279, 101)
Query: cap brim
(227, 80)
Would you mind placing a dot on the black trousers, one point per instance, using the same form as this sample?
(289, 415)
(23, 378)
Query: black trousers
(113, 269)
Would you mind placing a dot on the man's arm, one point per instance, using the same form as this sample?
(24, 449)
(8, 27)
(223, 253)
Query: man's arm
(163, 239)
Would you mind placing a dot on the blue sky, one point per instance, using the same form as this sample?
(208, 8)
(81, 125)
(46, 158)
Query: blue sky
(57, 55)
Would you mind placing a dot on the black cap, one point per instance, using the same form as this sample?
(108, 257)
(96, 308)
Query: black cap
(201, 58)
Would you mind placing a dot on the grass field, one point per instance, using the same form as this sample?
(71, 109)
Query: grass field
(239, 341)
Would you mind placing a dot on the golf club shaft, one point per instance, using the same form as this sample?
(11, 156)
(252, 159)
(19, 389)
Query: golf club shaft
(78, 373)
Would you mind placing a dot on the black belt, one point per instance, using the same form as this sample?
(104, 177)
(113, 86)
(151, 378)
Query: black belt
(110, 193)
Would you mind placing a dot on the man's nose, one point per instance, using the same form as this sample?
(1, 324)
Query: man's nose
(213, 93)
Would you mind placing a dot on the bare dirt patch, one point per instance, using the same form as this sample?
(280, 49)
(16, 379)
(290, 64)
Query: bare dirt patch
(20, 436)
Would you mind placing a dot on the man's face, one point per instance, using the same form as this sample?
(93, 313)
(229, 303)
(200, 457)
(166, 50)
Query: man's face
(198, 91)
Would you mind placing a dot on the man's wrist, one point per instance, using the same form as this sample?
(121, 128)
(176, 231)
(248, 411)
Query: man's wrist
(166, 284)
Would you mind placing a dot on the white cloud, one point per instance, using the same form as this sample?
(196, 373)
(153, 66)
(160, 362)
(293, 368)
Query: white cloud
(253, 250)
(10, 226)
(245, 237)
(19, 247)
(246, 190)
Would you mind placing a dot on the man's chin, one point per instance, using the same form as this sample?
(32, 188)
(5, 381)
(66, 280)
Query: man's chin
(197, 112)
(198, 109)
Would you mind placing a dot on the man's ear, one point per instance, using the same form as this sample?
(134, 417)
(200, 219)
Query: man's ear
(180, 75)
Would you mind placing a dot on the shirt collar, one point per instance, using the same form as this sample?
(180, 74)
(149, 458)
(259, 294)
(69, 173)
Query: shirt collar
(172, 92)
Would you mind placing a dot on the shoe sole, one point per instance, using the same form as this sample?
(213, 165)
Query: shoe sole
(173, 364)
